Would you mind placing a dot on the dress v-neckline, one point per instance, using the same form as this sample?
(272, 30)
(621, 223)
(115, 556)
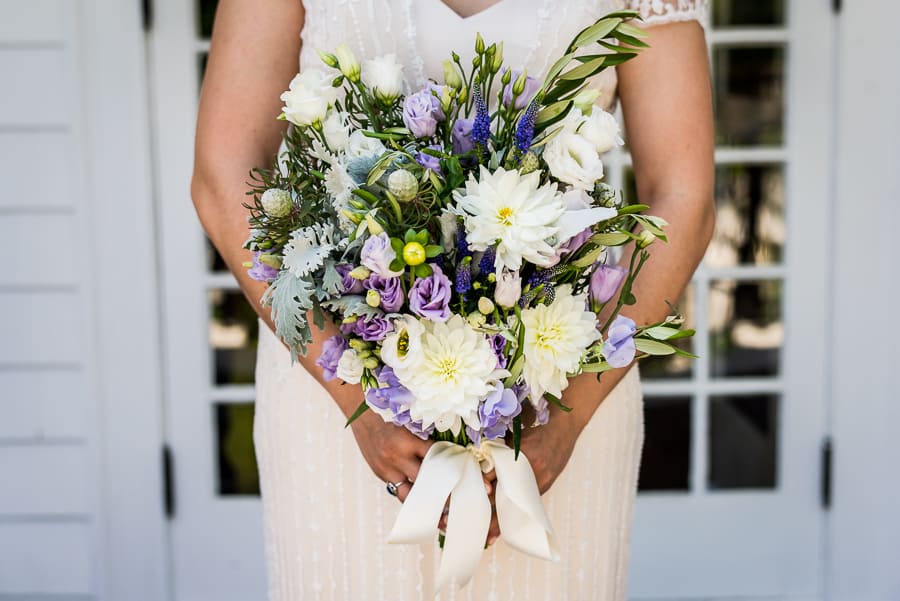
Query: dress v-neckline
(472, 16)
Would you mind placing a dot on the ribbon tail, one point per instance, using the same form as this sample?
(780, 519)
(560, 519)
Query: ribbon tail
(441, 470)
(467, 527)
(523, 521)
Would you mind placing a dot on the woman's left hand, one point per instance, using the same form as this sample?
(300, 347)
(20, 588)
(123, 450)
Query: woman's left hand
(549, 447)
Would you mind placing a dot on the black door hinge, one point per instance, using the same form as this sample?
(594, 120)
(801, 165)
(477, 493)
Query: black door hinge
(168, 474)
(836, 6)
(827, 459)
(147, 14)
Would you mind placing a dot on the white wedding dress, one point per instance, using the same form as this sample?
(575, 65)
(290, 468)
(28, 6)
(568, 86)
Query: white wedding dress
(326, 515)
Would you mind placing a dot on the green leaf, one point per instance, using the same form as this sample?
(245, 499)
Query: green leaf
(596, 368)
(409, 236)
(363, 407)
(582, 72)
(610, 238)
(633, 30)
(553, 112)
(557, 402)
(684, 353)
(596, 32)
(397, 246)
(422, 237)
(423, 270)
(397, 264)
(661, 332)
(631, 41)
(631, 209)
(653, 347)
(517, 435)
(683, 334)
(365, 195)
(558, 66)
(433, 250)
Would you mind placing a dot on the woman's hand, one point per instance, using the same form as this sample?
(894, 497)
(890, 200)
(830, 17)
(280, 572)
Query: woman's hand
(393, 452)
(549, 447)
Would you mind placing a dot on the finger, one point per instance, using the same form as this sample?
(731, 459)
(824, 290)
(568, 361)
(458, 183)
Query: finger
(420, 447)
(489, 481)
(400, 480)
(494, 530)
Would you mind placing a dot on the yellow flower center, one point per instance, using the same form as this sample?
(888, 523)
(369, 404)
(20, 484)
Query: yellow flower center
(504, 215)
(447, 368)
(414, 253)
(548, 337)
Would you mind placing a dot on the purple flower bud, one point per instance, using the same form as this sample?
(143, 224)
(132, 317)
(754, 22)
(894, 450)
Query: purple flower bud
(349, 285)
(498, 345)
(429, 161)
(260, 271)
(462, 136)
(421, 112)
(532, 85)
(618, 350)
(389, 289)
(332, 349)
(605, 280)
(430, 297)
(372, 329)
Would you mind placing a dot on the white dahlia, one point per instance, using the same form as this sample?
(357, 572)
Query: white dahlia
(449, 368)
(513, 211)
(556, 336)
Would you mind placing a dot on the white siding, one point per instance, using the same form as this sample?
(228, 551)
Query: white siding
(48, 512)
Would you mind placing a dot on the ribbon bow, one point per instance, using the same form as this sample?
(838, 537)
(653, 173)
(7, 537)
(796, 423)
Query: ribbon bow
(451, 469)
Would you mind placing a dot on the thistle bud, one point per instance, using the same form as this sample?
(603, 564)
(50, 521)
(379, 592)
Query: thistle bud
(373, 298)
(403, 185)
(329, 59)
(359, 273)
(276, 202)
(347, 62)
(451, 75)
(485, 305)
(479, 44)
(529, 163)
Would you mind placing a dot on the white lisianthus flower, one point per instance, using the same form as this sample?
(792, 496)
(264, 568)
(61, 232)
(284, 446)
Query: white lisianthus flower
(309, 98)
(347, 63)
(512, 210)
(276, 202)
(361, 145)
(336, 131)
(601, 129)
(384, 76)
(573, 159)
(308, 248)
(449, 371)
(349, 367)
(508, 289)
(556, 337)
(402, 349)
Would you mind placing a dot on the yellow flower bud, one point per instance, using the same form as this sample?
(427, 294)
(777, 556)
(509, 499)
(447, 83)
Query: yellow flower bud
(479, 43)
(270, 260)
(360, 273)
(373, 298)
(485, 305)
(498, 58)
(519, 85)
(476, 319)
(451, 75)
(374, 227)
(328, 58)
(370, 363)
(413, 253)
(645, 239)
(347, 62)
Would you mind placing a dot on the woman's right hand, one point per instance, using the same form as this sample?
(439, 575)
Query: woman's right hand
(393, 452)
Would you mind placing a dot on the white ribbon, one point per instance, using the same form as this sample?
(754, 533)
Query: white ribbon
(451, 469)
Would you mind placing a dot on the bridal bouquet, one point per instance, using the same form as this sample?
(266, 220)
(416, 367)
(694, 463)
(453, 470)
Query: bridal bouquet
(460, 236)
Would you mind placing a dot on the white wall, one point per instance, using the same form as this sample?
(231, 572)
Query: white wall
(80, 511)
(864, 548)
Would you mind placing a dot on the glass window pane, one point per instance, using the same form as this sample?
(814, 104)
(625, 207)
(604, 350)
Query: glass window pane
(673, 366)
(206, 12)
(202, 59)
(749, 95)
(236, 460)
(214, 261)
(233, 333)
(745, 328)
(750, 226)
(743, 441)
(666, 458)
(729, 13)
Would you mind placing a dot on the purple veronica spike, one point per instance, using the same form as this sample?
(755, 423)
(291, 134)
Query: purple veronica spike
(481, 128)
(486, 265)
(525, 128)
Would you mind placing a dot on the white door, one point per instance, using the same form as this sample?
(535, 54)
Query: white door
(731, 481)
(210, 339)
(730, 485)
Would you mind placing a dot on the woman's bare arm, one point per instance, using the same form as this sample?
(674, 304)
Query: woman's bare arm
(253, 56)
(666, 101)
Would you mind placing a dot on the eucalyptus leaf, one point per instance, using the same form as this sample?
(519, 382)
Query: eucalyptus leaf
(661, 332)
(653, 347)
(596, 32)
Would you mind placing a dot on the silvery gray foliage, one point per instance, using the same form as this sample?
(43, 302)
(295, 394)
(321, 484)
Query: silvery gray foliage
(290, 298)
(331, 282)
(352, 305)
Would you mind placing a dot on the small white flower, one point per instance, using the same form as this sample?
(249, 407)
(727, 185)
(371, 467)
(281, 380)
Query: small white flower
(308, 248)
(347, 63)
(336, 131)
(449, 228)
(309, 97)
(556, 337)
(361, 145)
(512, 210)
(349, 367)
(573, 159)
(401, 349)
(509, 288)
(601, 129)
(276, 202)
(384, 76)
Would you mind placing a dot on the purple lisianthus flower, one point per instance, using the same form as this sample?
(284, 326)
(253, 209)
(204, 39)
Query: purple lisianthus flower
(531, 87)
(429, 161)
(377, 254)
(260, 271)
(605, 280)
(430, 297)
(332, 349)
(462, 136)
(372, 329)
(618, 350)
(349, 284)
(389, 289)
(392, 400)
(498, 345)
(421, 113)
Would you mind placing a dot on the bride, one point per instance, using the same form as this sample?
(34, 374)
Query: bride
(326, 511)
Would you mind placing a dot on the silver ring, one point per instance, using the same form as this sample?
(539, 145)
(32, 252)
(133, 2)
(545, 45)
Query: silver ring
(394, 488)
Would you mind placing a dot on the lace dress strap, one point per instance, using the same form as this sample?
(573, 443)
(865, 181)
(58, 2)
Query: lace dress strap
(658, 12)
